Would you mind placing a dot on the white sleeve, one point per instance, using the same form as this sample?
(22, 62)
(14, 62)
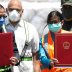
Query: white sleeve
(35, 41)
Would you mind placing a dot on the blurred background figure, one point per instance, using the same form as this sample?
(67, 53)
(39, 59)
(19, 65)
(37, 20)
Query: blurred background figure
(2, 18)
(67, 14)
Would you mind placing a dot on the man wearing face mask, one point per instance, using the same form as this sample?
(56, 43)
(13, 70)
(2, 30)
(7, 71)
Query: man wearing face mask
(54, 23)
(67, 14)
(26, 40)
(2, 18)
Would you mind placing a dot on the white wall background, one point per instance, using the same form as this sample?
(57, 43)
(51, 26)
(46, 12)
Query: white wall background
(37, 0)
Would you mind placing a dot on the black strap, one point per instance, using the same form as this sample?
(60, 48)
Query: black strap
(25, 46)
(45, 41)
(24, 50)
(16, 52)
(1, 29)
(26, 42)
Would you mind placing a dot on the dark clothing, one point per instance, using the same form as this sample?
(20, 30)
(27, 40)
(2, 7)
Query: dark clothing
(67, 25)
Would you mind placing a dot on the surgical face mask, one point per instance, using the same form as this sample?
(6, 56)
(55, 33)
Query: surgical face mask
(55, 27)
(14, 16)
(2, 20)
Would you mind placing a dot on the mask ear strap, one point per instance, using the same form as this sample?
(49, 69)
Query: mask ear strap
(62, 22)
(4, 29)
(7, 10)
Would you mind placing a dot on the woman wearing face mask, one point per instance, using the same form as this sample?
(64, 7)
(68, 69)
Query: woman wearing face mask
(55, 22)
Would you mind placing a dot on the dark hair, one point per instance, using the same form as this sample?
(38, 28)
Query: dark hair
(52, 13)
(1, 7)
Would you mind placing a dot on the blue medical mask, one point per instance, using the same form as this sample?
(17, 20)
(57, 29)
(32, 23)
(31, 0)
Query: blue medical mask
(2, 20)
(55, 27)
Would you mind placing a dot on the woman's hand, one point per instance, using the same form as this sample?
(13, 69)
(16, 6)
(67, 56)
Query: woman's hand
(54, 61)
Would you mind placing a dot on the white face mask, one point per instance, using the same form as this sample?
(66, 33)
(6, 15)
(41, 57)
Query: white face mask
(14, 16)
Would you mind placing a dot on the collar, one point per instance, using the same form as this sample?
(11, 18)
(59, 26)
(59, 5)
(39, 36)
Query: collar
(21, 23)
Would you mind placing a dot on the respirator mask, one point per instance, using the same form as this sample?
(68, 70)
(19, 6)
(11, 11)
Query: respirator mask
(14, 16)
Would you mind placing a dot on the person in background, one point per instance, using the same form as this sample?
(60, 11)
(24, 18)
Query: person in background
(2, 26)
(67, 14)
(26, 40)
(46, 46)
(2, 18)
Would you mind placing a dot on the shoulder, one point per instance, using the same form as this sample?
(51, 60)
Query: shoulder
(65, 31)
(33, 33)
(45, 37)
(46, 30)
(30, 26)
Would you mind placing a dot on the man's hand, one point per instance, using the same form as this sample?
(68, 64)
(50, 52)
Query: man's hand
(14, 60)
